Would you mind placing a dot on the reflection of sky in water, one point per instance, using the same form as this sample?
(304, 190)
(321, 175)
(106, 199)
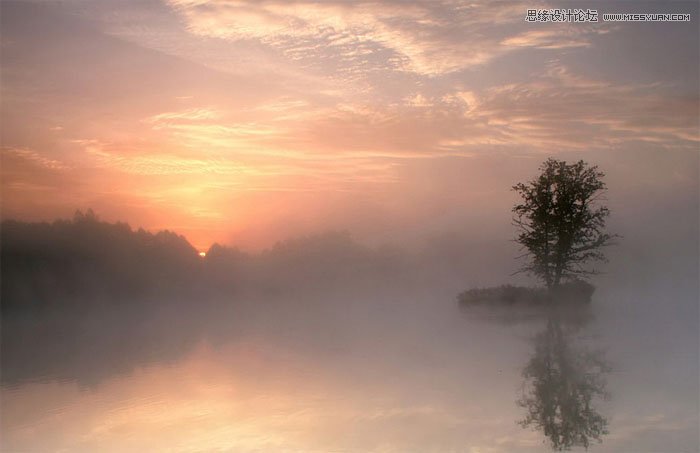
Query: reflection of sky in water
(392, 377)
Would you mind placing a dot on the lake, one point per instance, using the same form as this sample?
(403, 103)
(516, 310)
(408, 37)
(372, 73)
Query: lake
(389, 368)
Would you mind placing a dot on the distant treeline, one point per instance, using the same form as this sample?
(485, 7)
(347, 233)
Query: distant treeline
(69, 260)
(85, 260)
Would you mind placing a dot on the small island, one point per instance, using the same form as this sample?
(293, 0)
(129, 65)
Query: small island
(572, 293)
(560, 228)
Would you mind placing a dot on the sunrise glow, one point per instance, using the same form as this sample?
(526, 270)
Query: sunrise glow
(247, 122)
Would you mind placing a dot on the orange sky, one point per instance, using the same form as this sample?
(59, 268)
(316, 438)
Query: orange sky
(247, 122)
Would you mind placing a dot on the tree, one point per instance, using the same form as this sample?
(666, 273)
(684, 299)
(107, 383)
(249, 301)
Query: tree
(559, 223)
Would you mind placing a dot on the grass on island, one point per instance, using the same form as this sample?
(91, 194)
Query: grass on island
(576, 292)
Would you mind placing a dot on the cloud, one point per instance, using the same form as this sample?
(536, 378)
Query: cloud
(145, 162)
(548, 39)
(194, 114)
(554, 110)
(35, 158)
(233, 171)
(562, 109)
(352, 39)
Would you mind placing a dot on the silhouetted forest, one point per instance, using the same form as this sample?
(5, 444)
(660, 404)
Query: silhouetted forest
(85, 261)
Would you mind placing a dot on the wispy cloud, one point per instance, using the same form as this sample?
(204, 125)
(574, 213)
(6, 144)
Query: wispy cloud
(35, 157)
(563, 109)
(425, 38)
(555, 38)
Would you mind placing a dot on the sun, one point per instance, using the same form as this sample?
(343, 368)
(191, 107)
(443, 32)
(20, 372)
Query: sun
(202, 254)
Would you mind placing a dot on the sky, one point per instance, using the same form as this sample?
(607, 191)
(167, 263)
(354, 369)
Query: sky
(247, 122)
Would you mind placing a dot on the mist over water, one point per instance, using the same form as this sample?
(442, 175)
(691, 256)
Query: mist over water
(324, 344)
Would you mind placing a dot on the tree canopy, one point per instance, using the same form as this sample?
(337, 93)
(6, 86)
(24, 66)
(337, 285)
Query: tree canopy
(560, 221)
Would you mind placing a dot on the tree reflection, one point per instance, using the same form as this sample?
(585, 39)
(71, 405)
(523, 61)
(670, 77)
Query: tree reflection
(561, 384)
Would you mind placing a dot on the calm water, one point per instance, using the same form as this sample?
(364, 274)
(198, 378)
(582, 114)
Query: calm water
(393, 369)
